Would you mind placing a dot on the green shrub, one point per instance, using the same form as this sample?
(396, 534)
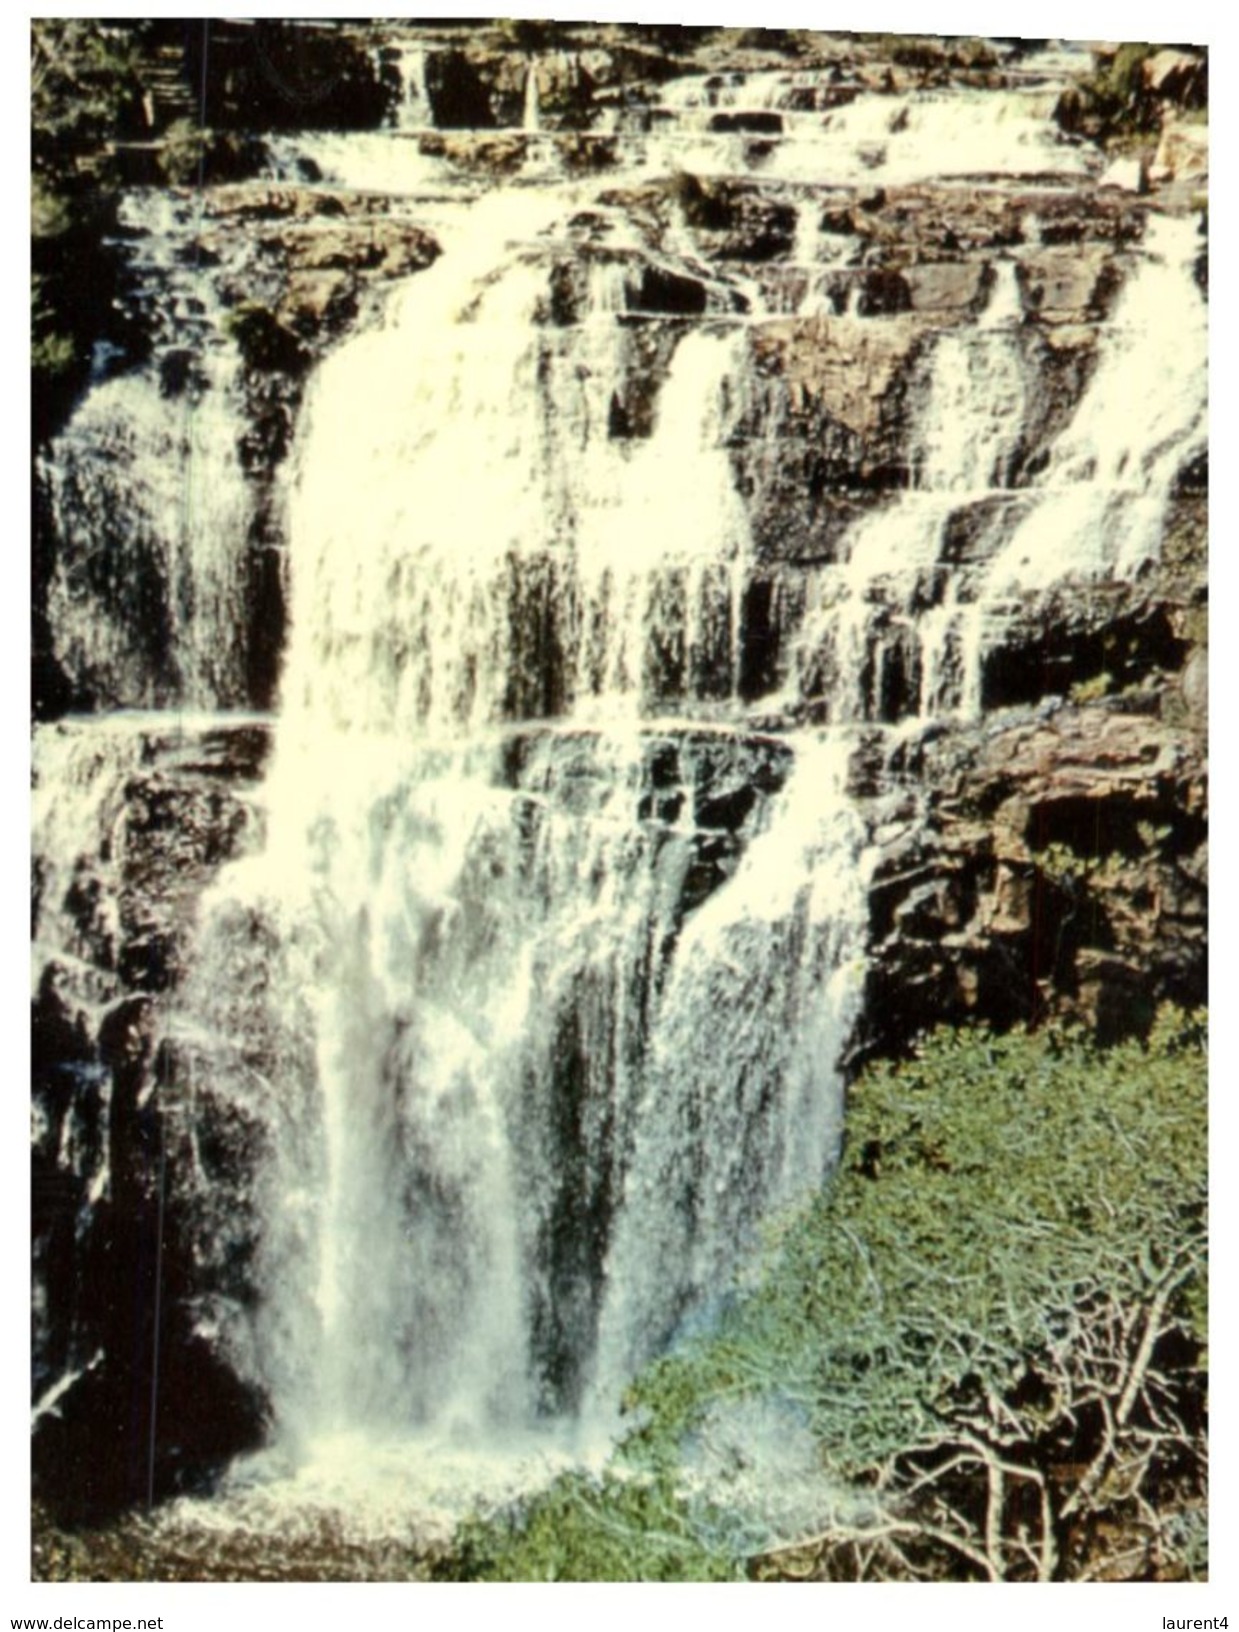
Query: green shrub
(52, 354)
(614, 1528)
(85, 88)
(1111, 104)
(1120, 81)
(50, 212)
(993, 1319)
(183, 153)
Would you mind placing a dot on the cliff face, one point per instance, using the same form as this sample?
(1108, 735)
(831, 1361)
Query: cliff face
(921, 284)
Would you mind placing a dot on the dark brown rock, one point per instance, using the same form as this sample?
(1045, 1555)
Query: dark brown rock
(1061, 869)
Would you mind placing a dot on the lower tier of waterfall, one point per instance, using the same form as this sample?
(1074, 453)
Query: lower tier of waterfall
(545, 1025)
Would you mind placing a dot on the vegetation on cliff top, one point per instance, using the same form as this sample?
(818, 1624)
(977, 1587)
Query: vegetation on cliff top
(84, 92)
(1117, 105)
(990, 1327)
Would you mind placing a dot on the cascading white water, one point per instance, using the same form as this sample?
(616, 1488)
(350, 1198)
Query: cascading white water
(412, 110)
(978, 390)
(147, 488)
(900, 138)
(736, 1119)
(1097, 508)
(80, 775)
(974, 396)
(662, 545)
(481, 917)
(1100, 503)
(535, 1104)
(531, 119)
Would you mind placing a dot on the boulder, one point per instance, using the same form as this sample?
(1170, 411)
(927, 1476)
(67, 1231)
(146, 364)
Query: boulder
(1182, 153)
(1130, 174)
(1181, 77)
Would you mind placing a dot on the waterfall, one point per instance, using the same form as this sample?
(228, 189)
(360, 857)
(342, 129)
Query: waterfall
(531, 117)
(890, 631)
(149, 501)
(412, 110)
(1099, 504)
(632, 551)
(78, 800)
(736, 1118)
(478, 887)
(1099, 507)
(877, 611)
(902, 138)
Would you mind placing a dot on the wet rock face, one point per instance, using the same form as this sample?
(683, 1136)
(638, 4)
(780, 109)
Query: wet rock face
(1056, 866)
(276, 75)
(121, 1325)
(837, 400)
(310, 254)
(486, 83)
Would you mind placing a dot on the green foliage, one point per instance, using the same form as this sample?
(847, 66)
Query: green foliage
(1092, 689)
(1111, 104)
(52, 354)
(85, 94)
(50, 212)
(1074, 873)
(1015, 1235)
(85, 88)
(614, 1528)
(983, 1180)
(183, 152)
(1119, 81)
(1064, 866)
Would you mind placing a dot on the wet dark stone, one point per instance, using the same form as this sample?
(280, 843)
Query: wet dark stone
(883, 293)
(1054, 654)
(266, 614)
(663, 291)
(728, 810)
(459, 97)
(175, 372)
(713, 859)
(757, 123)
